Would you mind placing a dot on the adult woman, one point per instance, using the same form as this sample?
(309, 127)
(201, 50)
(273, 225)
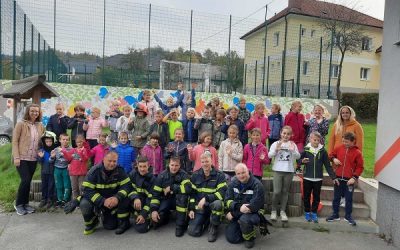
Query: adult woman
(25, 144)
(318, 123)
(345, 122)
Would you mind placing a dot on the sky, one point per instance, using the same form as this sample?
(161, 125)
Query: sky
(80, 22)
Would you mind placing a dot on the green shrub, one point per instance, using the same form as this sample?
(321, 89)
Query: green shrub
(365, 105)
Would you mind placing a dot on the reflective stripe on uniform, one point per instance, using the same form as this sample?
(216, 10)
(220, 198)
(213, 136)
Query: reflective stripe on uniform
(219, 196)
(95, 197)
(123, 182)
(155, 201)
(91, 221)
(228, 203)
(181, 209)
(157, 188)
(123, 192)
(104, 186)
(146, 208)
(124, 215)
(250, 235)
(88, 184)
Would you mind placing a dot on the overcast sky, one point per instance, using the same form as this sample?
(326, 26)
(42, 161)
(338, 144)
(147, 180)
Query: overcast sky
(80, 22)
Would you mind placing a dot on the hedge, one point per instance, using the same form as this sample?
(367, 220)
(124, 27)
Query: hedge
(365, 105)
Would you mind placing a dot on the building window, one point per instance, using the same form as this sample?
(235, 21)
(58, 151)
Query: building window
(272, 66)
(305, 67)
(337, 40)
(335, 71)
(303, 31)
(278, 65)
(276, 39)
(365, 73)
(366, 43)
(306, 92)
(312, 33)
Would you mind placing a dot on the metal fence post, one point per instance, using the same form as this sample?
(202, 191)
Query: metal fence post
(44, 57)
(54, 62)
(38, 55)
(24, 49)
(283, 73)
(32, 32)
(148, 58)
(320, 68)
(85, 73)
(1, 52)
(104, 39)
(245, 78)
(268, 60)
(14, 41)
(255, 79)
(298, 65)
(265, 47)
(190, 47)
(48, 63)
(330, 68)
(229, 81)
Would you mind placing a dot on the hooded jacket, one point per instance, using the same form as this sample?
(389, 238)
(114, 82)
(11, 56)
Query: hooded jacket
(252, 160)
(126, 156)
(155, 158)
(276, 124)
(141, 127)
(296, 122)
(227, 163)
(47, 167)
(191, 134)
(78, 160)
(262, 123)
(335, 140)
(352, 162)
(98, 152)
(318, 158)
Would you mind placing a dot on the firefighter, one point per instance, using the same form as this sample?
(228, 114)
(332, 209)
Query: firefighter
(142, 179)
(105, 191)
(244, 202)
(171, 192)
(206, 200)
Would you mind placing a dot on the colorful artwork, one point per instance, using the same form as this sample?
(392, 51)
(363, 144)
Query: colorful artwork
(101, 96)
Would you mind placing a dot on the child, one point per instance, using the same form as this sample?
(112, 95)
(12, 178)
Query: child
(191, 134)
(122, 122)
(214, 105)
(61, 177)
(161, 128)
(78, 160)
(285, 153)
(318, 123)
(140, 127)
(178, 148)
(99, 151)
(172, 120)
(169, 103)
(142, 182)
(230, 153)
(47, 174)
(58, 123)
(126, 153)
(204, 123)
(205, 145)
(189, 101)
(296, 121)
(94, 127)
(255, 154)
(349, 165)
(112, 117)
(244, 113)
(314, 158)
(260, 120)
(150, 105)
(152, 151)
(276, 123)
(218, 136)
(76, 123)
(233, 118)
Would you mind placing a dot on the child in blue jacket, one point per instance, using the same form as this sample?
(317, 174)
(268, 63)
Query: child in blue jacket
(276, 121)
(126, 153)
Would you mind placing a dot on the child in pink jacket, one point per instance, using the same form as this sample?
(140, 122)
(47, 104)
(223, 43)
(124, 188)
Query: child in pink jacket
(255, 154)
(195, 153)
(260, 120)
(94, 127)
(152, 151)
(100, 150)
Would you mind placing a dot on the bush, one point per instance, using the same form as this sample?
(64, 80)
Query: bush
(365, 105)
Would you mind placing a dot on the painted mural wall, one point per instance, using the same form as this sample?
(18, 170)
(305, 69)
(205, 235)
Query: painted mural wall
(101, 96)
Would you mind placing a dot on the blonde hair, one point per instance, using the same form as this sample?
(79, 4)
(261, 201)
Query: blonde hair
(277, 106)
(126, 107)
(339, 124)
(294, 103)
(241, 99)
(287, 128)
(95, 109)
(159, 112)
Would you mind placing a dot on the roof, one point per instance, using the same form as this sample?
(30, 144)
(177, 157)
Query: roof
(319, 9)
(21, 88)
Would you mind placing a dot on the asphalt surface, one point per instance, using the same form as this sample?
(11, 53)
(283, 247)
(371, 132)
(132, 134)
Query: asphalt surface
(60, 231)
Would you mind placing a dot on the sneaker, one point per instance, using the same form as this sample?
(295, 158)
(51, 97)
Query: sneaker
(314, 217)
(332, 218)
(20, 209)
(42, 203)
(284, 216)
(273, 215)
(307, 216)
(29, 209)
(249, 243)
(350, 220)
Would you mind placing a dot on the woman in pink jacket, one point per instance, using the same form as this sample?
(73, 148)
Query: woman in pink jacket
(152, 151)
(204, 145)
(260, 120)
(255, 154)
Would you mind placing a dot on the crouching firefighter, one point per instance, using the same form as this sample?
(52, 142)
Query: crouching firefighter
(206, 206)
(244, 202)
(142, 179)
(105, 191)
(171, 192)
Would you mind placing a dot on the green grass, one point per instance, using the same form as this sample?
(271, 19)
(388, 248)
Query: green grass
(368, 151)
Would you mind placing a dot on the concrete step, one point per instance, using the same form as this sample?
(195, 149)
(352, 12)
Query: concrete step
(327, 194)
(360, 210)
(363, 225)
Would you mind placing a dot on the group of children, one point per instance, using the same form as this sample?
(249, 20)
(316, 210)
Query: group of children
(231, 136)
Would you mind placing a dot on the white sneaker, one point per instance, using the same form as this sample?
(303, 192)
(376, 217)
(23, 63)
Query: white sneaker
(284, 216)
(273, 215)
(342, 202)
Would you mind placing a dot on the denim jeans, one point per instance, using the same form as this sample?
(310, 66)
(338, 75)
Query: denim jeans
(347, 192)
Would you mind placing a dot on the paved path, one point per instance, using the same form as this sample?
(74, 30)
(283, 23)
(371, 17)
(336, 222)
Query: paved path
(60, 231)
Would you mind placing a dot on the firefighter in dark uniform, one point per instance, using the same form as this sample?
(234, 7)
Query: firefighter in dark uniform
(142, 179)
(244, 202)
(105, 191)
(171, 192)
(206, 205)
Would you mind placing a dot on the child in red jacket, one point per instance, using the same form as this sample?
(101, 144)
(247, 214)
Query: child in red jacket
(255, 154)
(260, 120)
(78, 159)
(296, 121)
(349, 165)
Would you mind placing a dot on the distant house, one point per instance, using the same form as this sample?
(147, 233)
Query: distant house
(360, 72)
(78, 70)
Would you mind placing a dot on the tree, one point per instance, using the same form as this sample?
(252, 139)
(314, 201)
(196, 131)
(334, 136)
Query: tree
(135, 61)
(345, 25)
